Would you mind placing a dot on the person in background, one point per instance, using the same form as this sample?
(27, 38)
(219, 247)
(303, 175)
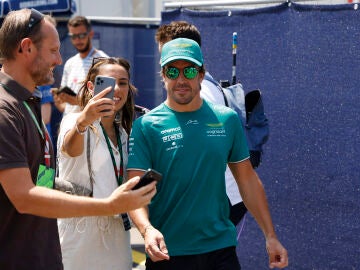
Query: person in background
(76, 67)
(56, 115)
(190, 141)
(29, 52)
(46, 106)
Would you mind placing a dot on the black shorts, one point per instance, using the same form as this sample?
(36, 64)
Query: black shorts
(221, 259)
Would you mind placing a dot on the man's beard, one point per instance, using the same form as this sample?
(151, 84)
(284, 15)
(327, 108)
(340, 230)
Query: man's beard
(86, 48)
(42, 78)
(41, 75)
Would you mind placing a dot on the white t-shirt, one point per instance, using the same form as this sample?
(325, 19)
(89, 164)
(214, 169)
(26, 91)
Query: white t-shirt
(75, 71)
(213, 94)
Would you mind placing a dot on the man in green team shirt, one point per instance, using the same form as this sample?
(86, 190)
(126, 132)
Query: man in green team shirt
(190, 141)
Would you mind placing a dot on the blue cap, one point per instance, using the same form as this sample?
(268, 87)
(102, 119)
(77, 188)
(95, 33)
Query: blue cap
(181, 49)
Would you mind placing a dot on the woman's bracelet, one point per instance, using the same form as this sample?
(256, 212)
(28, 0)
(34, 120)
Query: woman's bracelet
(81, 132)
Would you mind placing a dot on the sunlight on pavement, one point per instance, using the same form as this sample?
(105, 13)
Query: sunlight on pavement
(138, 250)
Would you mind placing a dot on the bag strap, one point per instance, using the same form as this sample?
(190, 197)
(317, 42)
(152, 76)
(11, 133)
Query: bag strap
(223, 93)
(89, 163)
(211, 79)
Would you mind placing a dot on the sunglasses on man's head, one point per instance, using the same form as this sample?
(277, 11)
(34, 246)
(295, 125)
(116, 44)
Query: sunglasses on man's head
(189, 72)
(79, 36)
(35, 18)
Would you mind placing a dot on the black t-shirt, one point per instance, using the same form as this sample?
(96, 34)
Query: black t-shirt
(26, 241)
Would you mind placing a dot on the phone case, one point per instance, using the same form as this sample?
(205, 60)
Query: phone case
(149, 176)
(66, 90)
(102, 82)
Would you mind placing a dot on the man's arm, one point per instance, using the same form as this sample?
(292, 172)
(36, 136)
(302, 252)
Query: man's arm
(30, 199)
(253, 194)
(59, 104)
(155, 245)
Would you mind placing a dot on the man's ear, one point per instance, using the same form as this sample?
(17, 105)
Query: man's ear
(25, 45)
(201, 76)
(91, 34)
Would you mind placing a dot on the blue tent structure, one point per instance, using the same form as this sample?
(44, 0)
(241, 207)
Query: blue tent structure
(305, 60)
(55, 7)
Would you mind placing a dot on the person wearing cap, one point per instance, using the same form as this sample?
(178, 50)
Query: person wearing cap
(190, 141)
(29, 239)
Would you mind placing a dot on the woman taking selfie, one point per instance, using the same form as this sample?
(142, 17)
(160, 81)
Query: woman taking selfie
(92, 149)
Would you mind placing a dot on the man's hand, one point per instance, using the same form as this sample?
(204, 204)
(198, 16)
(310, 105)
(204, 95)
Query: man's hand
(278, 257)
(124, 199)
(68, 98)
(58, 102)
(155, 245)
(98, 106)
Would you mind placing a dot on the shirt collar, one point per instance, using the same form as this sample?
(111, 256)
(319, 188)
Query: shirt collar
(14, 88)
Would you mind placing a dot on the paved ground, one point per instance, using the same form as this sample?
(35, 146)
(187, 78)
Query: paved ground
(138, 251)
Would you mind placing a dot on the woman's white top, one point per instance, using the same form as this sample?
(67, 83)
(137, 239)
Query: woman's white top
(93, 242)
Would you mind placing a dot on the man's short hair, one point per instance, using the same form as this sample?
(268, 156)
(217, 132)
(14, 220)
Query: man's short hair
(15, 27)
(177, 29)
(79, 20)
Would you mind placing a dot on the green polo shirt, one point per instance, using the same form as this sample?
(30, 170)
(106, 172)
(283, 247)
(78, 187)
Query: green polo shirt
(191, 150)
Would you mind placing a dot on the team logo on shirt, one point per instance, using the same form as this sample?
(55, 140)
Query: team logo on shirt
(192, 122)
(172, 135)
(174, 146)
(215, 125)
(216, 130)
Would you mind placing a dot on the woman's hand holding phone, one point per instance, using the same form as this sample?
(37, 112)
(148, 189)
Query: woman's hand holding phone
(101, 104)
(103, 82)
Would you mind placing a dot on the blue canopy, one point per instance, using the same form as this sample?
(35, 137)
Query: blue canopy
(55, 7)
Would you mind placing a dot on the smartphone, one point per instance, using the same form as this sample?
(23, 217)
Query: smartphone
(149, 176)
(102, 82)
(66, 90)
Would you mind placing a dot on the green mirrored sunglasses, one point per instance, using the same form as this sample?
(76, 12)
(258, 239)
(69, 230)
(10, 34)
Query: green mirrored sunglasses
(189, 72)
